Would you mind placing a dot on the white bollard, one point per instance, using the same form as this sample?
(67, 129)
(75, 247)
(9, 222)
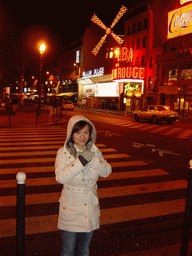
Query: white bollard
(20, 214)
(21, 177)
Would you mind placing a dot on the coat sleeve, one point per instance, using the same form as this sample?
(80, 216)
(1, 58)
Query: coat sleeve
(65, 171)
(100, 165)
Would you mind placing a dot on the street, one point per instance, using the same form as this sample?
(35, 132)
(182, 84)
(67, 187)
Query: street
(142, 202)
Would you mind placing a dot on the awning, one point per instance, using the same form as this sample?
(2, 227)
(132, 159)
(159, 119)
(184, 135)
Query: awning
(67, 94)
(95, 79)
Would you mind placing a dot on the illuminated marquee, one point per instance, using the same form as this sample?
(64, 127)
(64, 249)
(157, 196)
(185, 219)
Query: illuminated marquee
(124, 54)
(128, 73)
(184, 1)
(180, 21)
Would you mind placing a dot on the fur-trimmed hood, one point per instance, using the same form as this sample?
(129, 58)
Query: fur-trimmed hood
(72, 121)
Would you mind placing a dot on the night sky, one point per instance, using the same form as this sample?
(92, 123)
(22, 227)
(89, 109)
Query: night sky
(25, 23)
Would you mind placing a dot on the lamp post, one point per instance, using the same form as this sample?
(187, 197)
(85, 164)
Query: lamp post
(41, 50)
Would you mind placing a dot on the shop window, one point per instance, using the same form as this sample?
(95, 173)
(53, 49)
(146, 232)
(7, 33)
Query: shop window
(143, 61)
(173, 74)
(138, 43)
(144, 42)
(186, 74)
(111, 53)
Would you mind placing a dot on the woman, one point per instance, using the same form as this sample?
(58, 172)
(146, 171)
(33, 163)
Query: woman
(78, 166)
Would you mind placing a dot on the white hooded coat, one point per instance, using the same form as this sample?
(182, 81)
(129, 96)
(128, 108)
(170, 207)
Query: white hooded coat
(79, 205)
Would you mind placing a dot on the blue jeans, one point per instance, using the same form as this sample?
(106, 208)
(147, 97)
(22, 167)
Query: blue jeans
(75, 242)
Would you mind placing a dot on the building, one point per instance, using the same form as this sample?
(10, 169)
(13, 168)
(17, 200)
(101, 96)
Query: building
(69, 70)
(96, 89)
(174, 36)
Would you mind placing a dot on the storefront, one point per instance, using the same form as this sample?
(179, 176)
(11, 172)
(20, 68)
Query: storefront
(131, 83)
(96, 90)
(175, 77)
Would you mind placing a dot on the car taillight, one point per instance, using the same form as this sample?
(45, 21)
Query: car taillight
(165, 115)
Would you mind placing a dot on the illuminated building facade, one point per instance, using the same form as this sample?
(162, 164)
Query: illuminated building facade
(96, 88)
(174, 64)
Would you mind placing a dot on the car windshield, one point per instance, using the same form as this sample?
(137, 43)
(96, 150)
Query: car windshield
(164, 108)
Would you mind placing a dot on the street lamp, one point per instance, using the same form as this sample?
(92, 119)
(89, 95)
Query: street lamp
(41, 50)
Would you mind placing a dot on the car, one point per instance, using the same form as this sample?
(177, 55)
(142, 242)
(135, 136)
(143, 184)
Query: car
(156, 113)
(67, 105)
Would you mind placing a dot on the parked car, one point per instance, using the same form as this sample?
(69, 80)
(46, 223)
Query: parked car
(67, 105)
(156, 113)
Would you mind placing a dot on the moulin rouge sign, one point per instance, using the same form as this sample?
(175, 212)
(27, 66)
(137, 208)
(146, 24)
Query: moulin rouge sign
(128, 73)
(122, 71)
(180, 20)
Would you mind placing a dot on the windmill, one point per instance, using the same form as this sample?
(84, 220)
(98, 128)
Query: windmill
(97, 21)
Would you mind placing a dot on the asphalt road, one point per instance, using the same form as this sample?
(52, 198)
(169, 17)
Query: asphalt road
(151, 172)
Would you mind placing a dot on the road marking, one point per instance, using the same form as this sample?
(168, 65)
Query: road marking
(44, 153)
(172, 131)
(143, 211)
(185, 134)
(46, 198)
(150, 127)
(31, 139)
(52, 168)
(142, 188)
(160, 129)
(50, 159)
(48, 223)
(136, 174)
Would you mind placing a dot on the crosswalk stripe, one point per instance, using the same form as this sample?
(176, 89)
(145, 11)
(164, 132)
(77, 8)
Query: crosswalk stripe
(31, 139)
(172, 131)
(48, 223)
(42, 153)
(160, 129)
(142, 188)
(49, 181)
(51, 168)
(4, 146)
(51, 159)
(46, 198)
(53, 197)
(185, 134)
(17, 144)
(135, 174)
(37, 147)
(34, 136)
(150, 127)
(143, 211)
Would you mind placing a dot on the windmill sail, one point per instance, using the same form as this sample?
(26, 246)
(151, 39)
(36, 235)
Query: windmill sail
(108, 31)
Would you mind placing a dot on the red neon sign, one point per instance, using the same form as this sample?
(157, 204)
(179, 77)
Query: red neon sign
(128, 73)
(124, 54)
